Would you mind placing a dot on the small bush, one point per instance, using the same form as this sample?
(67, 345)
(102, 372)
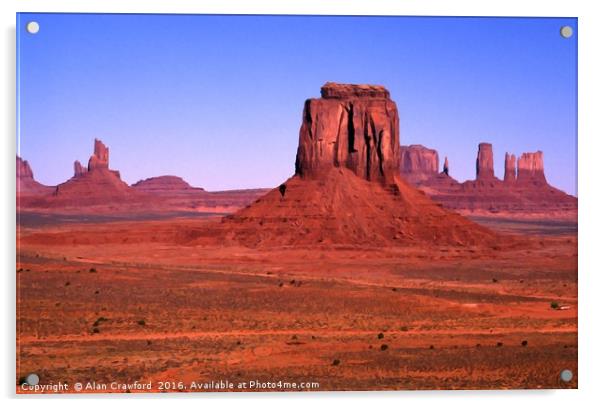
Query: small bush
(524, 343)
(67, 284)
(381, 335)
(92, 270)
(494, 280)
(95, 331)
(404, 329)
(99, 320)
(384, 347)
(141, 322)
(554, 305)
(432, 347)
(499, 344)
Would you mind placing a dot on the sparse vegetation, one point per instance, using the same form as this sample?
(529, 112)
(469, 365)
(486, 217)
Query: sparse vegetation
(499, 344)
(381, 335)
(384, 347)
(336, 362)
(554, 305)
(524, 343)
(92, 270)
(141, 322)
(494, 280)
(99, 321)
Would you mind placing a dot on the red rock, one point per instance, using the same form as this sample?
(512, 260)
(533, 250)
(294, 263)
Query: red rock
(350, 138)
(78, 169)
(485, 161)
(418, 162)
(351, 126)
(26, 184)
(446, 167)
(510, 168)
(530, 168)
(529, 196)
(100, 158)
(166, 185)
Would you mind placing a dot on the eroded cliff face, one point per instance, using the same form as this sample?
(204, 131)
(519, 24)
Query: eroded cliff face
(351, 126)
(510, 168)
(100, 158)
(26, 184)
(530, 168)
(485, 162)
(418, 162)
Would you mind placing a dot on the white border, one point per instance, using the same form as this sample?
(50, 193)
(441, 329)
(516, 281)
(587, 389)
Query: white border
(590, 173)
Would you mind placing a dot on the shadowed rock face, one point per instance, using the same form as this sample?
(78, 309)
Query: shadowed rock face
(351, 126)
(485, 161)
(510, 168)
(446, 167)
(530, 168)
(418, 162)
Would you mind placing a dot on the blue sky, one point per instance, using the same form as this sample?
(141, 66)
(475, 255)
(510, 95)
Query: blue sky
(218, 99)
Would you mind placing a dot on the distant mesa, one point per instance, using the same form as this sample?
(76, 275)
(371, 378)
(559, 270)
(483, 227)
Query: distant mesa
(346, 189)
(530, 168)
(166, 185)
(26, 184)
(418, 162)
(524, 191)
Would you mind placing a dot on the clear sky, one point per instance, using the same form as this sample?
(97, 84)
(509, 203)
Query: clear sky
(218, 99)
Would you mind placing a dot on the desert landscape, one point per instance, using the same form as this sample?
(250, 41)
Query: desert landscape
(370, 268)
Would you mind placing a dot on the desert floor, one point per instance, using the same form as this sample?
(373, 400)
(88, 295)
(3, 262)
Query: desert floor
(112, 301)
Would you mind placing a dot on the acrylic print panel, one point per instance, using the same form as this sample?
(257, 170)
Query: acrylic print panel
(295, 203)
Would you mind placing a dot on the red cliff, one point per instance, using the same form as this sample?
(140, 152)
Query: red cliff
(510, 168)
(418, 162)
(350, 126)
(485, 162)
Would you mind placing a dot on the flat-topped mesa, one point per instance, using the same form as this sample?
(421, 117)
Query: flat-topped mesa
(510, 168)
(100, 158)
(530, 168)
(485, 161)
(332, 90)
(23, 169)
(351, 126)
(418, 162)
(79, 169)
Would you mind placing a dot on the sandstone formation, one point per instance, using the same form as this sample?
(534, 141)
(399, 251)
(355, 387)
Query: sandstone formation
(485, 162)
(418, 162)
(530, 168)
(348, 140)
(100, 158)
(354, 127)
(79, 169)
(166, 185)
(523, 193)
(510, 168)
(446, 167)
(97, 185)
(26, 184)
